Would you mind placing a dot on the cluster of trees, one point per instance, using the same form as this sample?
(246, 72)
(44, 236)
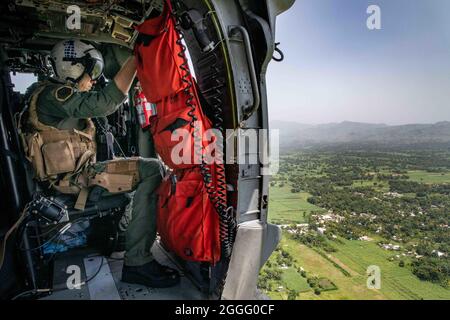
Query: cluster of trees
(292, 294)
(314, 240)
(391, 177)
(268, 279)
(320, 284)
(346, 200)
(432, 269)
(348, 229)
(441, 189)
(420, 189)
(271, 275)
(407, 186)
(430, 266)
(284, 258)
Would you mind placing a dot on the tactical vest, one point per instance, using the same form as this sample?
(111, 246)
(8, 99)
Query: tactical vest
(58, 155)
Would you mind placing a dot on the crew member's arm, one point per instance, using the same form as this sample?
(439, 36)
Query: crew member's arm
(71, 104)
(124, 78)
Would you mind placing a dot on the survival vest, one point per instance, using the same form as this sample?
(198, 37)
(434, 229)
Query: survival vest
(56, 154)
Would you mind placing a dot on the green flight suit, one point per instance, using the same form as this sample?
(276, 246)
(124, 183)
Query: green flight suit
(63, 107)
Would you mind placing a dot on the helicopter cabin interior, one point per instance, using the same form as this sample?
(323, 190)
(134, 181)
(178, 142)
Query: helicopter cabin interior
(229, 45)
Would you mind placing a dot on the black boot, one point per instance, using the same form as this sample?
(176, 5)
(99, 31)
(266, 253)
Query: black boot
(151, 274)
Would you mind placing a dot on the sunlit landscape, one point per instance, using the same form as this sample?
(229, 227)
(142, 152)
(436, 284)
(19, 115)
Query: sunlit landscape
(343, 211)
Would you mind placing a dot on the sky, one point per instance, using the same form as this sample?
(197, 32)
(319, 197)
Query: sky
(336, 69)
(22, 81)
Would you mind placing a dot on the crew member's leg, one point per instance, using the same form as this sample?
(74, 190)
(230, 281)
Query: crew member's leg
(141, 230)
(139, 265)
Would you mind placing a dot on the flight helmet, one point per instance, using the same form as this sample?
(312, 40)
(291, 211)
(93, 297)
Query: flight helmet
(71, 59)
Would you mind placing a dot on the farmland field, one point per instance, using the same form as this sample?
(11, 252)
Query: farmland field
(287, 207)
(356, 190)
(293, 280)
(429, 177)
(396, 282)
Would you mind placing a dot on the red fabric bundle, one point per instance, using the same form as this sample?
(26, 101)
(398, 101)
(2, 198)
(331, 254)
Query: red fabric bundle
(187, 221)
(173, 131)
(158, 57)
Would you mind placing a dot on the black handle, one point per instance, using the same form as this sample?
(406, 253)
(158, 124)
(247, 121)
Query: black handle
(193, 19)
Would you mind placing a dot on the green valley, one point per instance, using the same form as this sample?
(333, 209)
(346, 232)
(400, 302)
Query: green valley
(344, 211)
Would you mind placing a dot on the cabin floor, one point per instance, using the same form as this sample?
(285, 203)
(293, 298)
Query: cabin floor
(103, 279)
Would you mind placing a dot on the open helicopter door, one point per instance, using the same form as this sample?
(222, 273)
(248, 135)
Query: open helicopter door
(230, 56)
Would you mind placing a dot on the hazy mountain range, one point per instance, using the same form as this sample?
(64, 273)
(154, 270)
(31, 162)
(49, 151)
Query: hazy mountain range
(293, 134)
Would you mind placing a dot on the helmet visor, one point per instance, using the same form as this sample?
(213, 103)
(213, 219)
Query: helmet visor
(94, 67)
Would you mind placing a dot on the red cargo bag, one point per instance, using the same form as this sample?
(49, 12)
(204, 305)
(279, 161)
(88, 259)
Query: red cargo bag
(173, 133)
(157, 56)
(187, 221)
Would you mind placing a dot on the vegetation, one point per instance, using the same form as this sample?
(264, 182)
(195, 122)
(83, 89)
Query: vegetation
(287, 207)
(394, 208)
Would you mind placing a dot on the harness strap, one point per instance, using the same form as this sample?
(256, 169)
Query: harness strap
(82, 199)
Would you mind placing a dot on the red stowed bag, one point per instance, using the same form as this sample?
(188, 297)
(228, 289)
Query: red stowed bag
(173, 133)
(187, 221)
(157, 56)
